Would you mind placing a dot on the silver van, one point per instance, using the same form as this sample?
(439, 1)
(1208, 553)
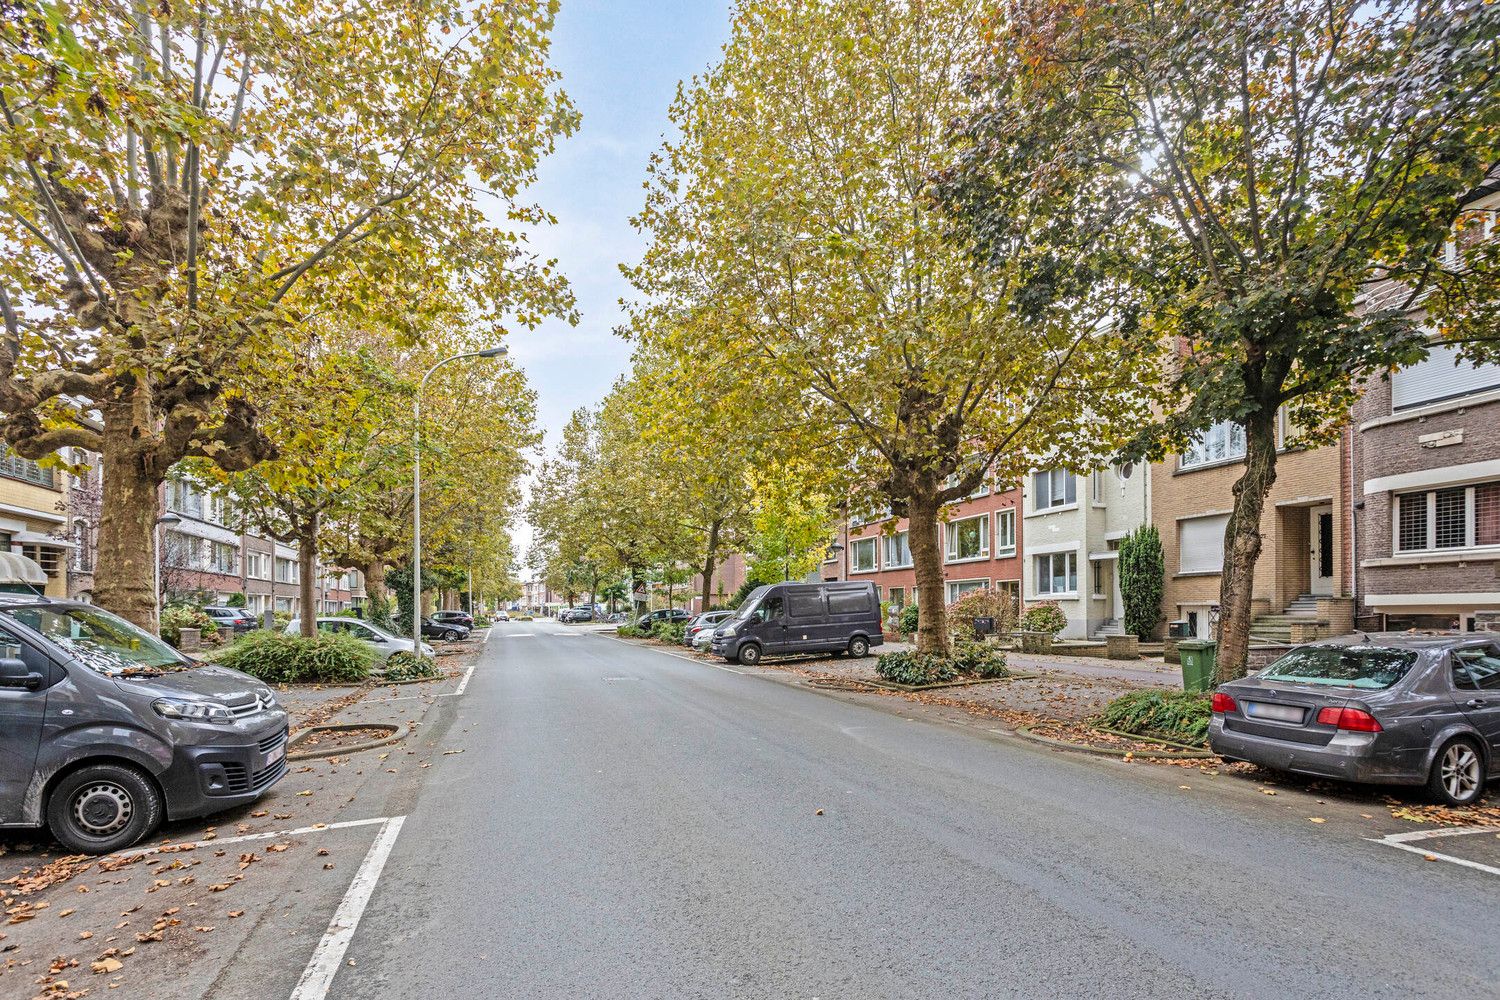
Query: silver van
(105, 730)
(801, 618)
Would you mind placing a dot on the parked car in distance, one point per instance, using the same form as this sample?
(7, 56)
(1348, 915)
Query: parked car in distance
(664, 615)
(704, 623)
(107, 730)
(575, 615)
(454, 618)
(501, 616)
(443, 631)
(1390, 708)
(230, 619)
(383, 642)
(801, 618)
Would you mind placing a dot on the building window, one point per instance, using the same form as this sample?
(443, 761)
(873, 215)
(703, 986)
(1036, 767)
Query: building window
(1053, 488)
(45, 556)
(13, 466)
(224, 558)
(1005, 532)
(83, 542)
(898, 597)
(286, 571)
(1057, 573)
(1200, 544)
(968, 539)
(1096, 486)
(862, 555)
(1456, 517)
(898, 550)
(1223, 442)
(958, 588)
(179, 550)
(184, 498)
(258, 565)
(1440, 376)
(1010, 589)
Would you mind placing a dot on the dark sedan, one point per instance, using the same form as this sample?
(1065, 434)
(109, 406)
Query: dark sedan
(443, 631)
(1393, 708)
(664, 615)
(453, 618)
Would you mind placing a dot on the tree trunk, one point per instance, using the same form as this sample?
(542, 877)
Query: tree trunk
(932, 621)
(375, 580)
(307, 568)
(710, 561)
(125, 577)
(1242, 542)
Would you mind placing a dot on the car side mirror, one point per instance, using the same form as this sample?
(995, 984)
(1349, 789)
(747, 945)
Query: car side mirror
(16, 674)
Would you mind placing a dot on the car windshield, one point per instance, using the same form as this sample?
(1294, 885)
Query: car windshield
(750, 603)
(100, 640)
(1371, 668)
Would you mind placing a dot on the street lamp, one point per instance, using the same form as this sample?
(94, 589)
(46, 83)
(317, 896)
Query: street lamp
(168, 519)
(416, 492)
(837, 549)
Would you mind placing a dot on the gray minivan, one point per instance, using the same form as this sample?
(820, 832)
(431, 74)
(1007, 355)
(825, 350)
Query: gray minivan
(801, 618)
(105, 729)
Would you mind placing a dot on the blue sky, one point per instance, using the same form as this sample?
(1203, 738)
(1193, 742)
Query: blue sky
(621, 61)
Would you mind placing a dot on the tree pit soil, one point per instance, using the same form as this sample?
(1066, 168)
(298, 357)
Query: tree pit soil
(327, 741)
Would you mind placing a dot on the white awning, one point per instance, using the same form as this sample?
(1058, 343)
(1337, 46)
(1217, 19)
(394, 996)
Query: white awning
(17, 569)
(1102, 556)
(37, 538)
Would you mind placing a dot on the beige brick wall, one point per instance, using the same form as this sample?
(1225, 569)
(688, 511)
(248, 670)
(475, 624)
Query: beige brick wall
(1304, 479)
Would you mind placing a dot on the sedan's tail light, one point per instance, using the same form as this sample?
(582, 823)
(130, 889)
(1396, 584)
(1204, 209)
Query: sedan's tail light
(1353, 719)
(1221, 703)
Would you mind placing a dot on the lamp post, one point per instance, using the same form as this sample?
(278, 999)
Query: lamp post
(416, 493)
(837, 548)
(168, 518)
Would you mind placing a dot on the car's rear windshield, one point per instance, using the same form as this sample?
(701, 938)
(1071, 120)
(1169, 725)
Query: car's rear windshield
(100, 640)
(1369, 668)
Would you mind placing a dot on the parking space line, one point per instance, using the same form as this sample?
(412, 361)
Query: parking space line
(1409, 842)
(243, 838)
(317, 977)
(465, 682)
(680, 656)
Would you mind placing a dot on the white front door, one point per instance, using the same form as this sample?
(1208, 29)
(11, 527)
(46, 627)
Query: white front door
(1320, 535)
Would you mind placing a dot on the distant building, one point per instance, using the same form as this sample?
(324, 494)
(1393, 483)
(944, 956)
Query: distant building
(33, 517)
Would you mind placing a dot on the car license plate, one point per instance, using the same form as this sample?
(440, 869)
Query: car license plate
(1281, 713)
(275, 755)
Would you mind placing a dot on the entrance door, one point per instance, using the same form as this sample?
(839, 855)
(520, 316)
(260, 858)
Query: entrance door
(1320, 532)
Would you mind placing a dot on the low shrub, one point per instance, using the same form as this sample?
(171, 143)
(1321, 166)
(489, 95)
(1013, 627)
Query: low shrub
(982, 604)
(176, 617)
(403, 666)
(915, 668)
(979, 659)
(629, 631)
(1044, 616)
(908, 620)
(1179, 716)
(482, 621)
(278, 658)
(669, 631)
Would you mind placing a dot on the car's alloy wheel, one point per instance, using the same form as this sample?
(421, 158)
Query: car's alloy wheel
(1458, 775)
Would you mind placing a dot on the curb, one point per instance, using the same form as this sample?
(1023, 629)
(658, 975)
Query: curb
(399, 731)
(1098, 751)
(413, 680)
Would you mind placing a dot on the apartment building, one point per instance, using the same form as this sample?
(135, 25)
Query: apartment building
(1426, 453)
(980, 543)
(1074, 526)
(33, 518)
(727, 579)
(1303, 575)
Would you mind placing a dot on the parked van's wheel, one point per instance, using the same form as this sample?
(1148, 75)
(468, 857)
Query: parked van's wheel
(859, 646)
(103, 808)
(1457, 777)
(749, 654)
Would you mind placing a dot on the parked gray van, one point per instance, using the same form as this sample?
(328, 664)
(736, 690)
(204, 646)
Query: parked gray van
(801, 618)
(105, 729)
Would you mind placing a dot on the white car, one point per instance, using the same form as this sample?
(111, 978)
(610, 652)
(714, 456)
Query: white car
(383, 642)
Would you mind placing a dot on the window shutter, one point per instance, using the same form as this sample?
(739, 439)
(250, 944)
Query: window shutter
(1201, 544)
(1437, 377)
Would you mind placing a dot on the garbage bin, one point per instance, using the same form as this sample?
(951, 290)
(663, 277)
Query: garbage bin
(984, 625)
(1199, 663)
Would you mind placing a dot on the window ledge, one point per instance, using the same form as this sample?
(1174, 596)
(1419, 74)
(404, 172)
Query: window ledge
(1428, 558)
(899, 565)
(1203, 572)
(966, 559)
(1433, 409)
(1182, 470)
(1071, 595)
(858, 572)
(1060, 509)
(1005, 554)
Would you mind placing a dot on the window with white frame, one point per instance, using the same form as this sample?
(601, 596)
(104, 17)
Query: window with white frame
(1223, 442)
(898, 550)
(968, 538)
(258, 565)
(1005, 532)
(897, 597)
(862, 555)
(1053, 488)
(224, 558)
(287, 571)
(1455, 517)
(1096, 486)
(958, 588)
(1056, 573)
(1200, 544)
(184, 498)
(1439, 376)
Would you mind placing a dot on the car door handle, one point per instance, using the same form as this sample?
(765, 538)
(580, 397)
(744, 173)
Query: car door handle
(1475, 703)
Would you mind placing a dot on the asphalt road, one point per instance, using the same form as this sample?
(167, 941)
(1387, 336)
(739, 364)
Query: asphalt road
(623, 823)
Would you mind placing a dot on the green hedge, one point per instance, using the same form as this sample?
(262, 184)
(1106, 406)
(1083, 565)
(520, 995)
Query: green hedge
(177, 617)
(1179, 716)
(278, 658)
(669, 631)
(403, 666)
(969, 659)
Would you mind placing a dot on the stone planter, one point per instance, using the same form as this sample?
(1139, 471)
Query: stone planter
(1036, 642)
(1122, 647)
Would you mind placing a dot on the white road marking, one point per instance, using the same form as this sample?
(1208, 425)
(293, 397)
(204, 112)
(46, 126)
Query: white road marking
(1408, 842)
(320, 828)
(324, 964)
(465, 682)
(680, 656)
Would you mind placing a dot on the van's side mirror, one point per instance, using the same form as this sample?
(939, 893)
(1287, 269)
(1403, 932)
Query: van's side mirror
(15, 674)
